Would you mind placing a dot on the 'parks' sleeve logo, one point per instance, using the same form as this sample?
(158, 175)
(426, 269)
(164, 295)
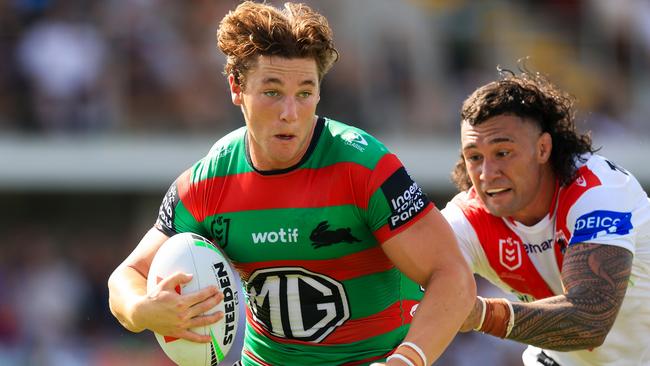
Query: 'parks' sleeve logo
(405, 198)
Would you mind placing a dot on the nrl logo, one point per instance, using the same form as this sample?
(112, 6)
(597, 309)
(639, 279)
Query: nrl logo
(355, 140)
(510, 253)
(220, 227)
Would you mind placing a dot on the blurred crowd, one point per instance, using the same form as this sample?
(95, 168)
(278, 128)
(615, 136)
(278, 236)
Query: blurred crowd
(141, 67)
(125, 66)
(56, 254)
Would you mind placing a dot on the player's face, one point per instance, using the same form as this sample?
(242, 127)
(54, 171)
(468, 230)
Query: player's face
(507, 161)
(279, 105)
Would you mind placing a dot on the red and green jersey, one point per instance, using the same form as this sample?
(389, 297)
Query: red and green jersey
(307, 243)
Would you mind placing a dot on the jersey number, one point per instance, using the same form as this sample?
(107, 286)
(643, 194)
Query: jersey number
(292, 302)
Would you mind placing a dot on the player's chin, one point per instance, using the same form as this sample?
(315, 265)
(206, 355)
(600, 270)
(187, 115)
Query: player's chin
(499, 210)
(286, 156)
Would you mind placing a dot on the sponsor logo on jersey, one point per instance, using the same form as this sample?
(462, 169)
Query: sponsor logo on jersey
(166, 211)
(222, 151)
(538, 248)
(220, 227)
(600, 223)
(294, 303)
(322, 236)
(355, 140)
(404, 196)
(288, 235)
(230, 300)
(581, 181)
(510, 253)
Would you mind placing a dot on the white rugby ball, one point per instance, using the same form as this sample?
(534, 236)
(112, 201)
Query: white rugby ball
(192, 253)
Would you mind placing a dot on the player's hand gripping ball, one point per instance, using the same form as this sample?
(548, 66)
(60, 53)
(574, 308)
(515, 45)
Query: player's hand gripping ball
(191, 253)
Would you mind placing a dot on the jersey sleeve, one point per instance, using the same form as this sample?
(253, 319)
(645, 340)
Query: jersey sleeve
(175, 214)
(396, 201)
(609, 213)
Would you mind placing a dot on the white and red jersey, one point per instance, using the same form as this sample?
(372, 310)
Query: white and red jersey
(606, 205)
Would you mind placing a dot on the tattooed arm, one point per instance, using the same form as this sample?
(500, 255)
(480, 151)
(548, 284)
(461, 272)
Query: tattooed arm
(595, 278)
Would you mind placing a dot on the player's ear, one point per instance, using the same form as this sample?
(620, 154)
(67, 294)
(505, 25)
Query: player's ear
(235, 90)
(544, 147)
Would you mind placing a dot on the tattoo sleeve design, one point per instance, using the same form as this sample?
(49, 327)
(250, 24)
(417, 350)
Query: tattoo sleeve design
(595, 278)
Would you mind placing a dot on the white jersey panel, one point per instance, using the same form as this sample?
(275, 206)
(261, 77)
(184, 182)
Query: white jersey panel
(537, 242)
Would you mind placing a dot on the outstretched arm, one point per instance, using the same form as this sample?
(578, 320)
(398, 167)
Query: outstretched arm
(595, 278)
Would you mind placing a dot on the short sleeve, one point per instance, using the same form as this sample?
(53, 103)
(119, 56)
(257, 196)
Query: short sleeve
(611, 212)
(396, 200)
(174, 216)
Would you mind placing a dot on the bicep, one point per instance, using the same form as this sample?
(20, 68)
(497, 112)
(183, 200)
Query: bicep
(424, 248)
(596, 276)
(141, 257)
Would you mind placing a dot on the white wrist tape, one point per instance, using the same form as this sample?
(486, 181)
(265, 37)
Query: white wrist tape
(480, 323)
(511, 321)
(401, 358)
(417, 349)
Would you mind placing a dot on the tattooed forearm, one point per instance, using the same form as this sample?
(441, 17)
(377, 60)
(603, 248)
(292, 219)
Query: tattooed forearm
(595, 278)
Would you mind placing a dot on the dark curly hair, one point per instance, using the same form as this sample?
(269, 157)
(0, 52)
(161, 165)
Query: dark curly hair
(255, 29)
(531, 96)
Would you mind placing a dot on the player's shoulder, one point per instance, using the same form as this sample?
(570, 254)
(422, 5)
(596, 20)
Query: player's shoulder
(466, 207)
(222, 158)
(469, 202)
(227, 144)
(601, 189)
(602, 201)
(470, 219)
(596, 170)
(351, 143)
(600, 178)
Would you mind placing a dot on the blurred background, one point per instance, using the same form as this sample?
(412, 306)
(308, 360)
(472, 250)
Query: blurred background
(104, 103)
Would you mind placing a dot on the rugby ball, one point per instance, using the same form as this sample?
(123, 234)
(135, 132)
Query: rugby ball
(192, 253)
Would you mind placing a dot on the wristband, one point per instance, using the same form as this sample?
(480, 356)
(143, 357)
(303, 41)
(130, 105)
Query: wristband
(499, 317)
(511, 321)
(401, 358)
(483, 309)
(417, 350)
